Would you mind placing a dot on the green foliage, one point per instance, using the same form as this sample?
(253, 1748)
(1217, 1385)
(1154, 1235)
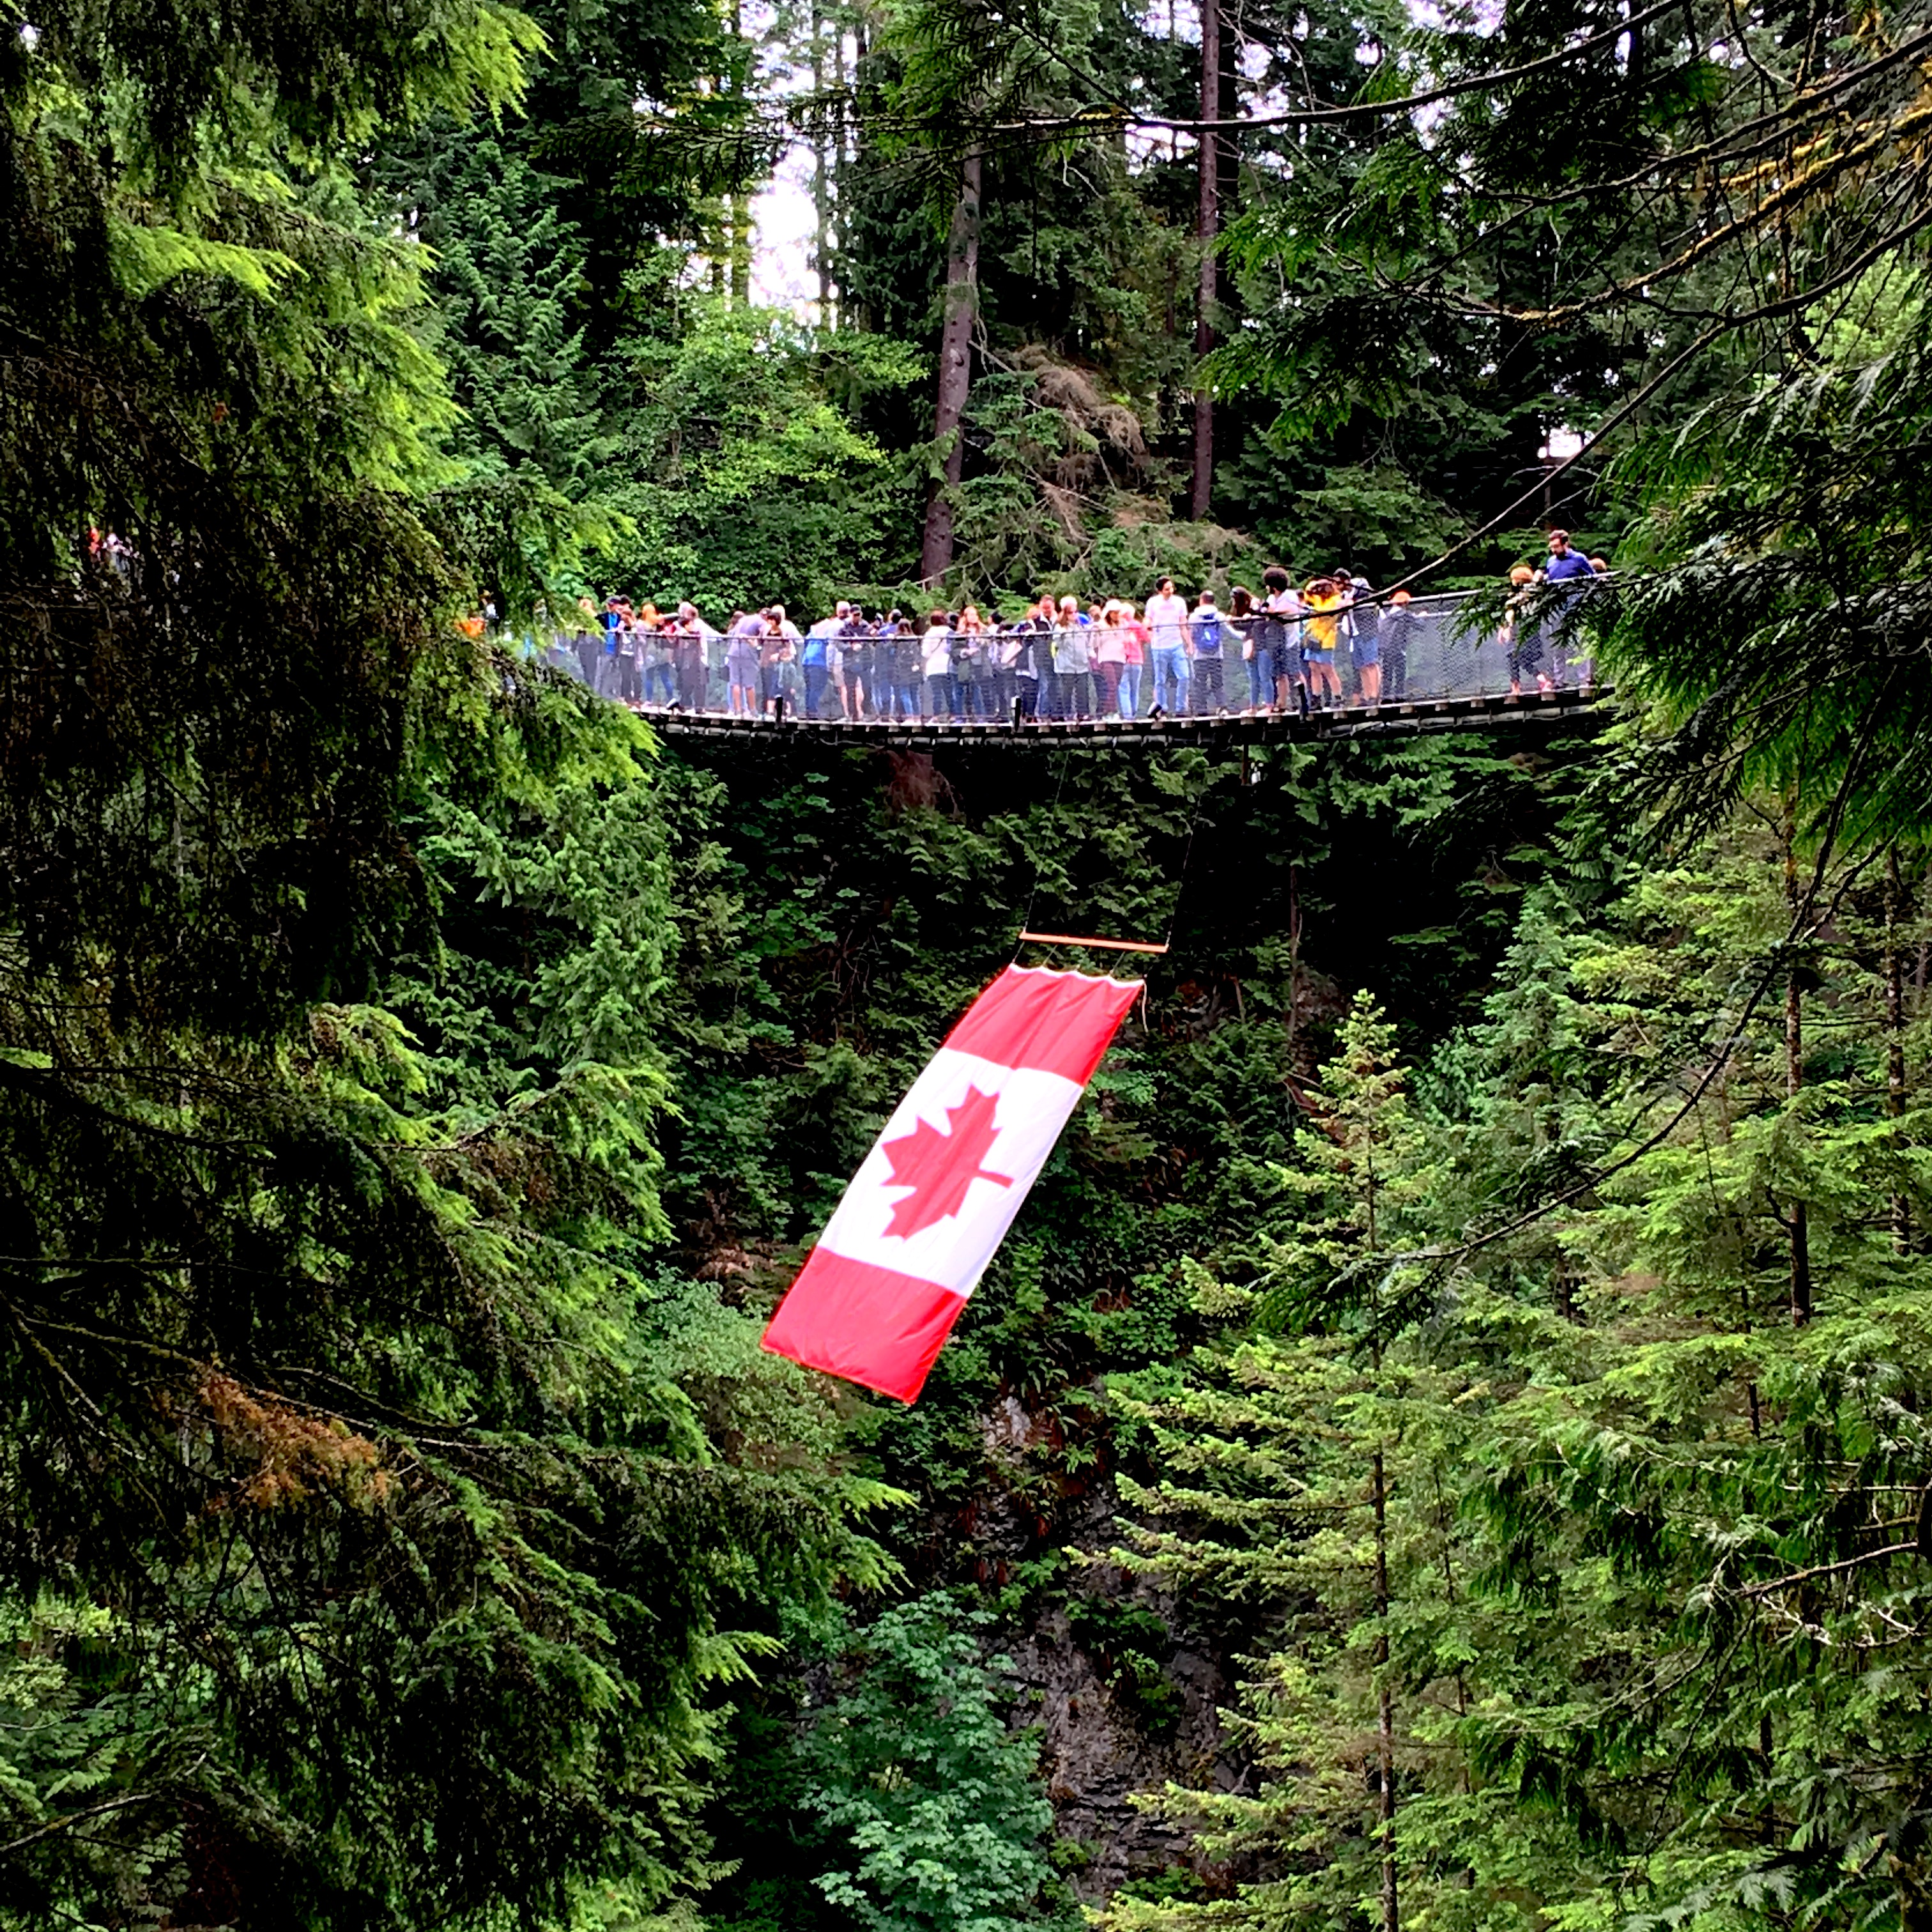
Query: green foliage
(932, 1819)
(743, 470)
(533, 440)
(447, 1487)
(1788, 517)
(414, 1085)
(1650, 1637)
(383, 1523)
(1279, 1456)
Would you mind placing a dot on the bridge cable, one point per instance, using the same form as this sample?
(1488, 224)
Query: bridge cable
(1026, 921)
(1028, 936)
(1187, 860)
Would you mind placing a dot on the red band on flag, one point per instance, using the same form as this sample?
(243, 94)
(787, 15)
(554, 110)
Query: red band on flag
(866, 1323)
(1058, 1022)
(931, 1202)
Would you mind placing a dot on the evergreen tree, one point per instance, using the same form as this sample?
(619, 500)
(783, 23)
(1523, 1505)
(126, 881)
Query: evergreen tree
(1301, 1487)
(373, 1553)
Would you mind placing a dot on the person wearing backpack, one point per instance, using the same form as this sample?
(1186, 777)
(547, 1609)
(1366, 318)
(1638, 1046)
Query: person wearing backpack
(1206, 635)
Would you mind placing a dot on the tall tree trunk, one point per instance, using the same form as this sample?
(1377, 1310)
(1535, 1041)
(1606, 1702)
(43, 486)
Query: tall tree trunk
(955, 369)
(1206, 227)
(1227, 110)
(1385, 1699)
(1794, 1083)
(1385, 1731)
(741, 251)
(1294, 961)
(829, 291)
(738, 204)
(821, 178)
(1894, 1034)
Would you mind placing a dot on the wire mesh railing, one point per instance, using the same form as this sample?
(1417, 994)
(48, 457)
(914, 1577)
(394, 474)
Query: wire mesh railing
(1370, 654)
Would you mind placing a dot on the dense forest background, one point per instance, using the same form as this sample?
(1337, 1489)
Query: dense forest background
(1445, 1442)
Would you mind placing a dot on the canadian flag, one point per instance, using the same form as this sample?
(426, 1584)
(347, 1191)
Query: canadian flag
(925, 1213)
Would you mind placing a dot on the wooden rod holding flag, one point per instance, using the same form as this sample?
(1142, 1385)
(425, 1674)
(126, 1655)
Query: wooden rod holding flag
(1108, 945)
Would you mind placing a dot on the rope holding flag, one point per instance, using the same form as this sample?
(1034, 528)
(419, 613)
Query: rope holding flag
(930, 1204)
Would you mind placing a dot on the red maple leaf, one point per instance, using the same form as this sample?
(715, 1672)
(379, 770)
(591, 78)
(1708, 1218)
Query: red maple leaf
(939, 1168)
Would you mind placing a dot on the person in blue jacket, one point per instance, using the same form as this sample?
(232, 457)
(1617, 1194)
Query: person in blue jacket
(1564, 563)
(1570, 567)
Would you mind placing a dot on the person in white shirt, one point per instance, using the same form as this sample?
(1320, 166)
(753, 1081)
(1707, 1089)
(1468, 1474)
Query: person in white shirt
(935, 657)
(1166, 617)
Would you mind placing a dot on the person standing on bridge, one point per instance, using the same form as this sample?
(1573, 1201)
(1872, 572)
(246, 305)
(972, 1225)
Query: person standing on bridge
(858, 665)
(1324, 601)
(1205, 629)
(815, 659)
(1167, 625)
(776, 650)
(1110, 655)
(1244, 624)
(1571, 568)
(1133, 672)
(899, 665)
(1282, 636)
(612, 619)
(1347, 683)
(1365, 641)
(742, 649)
(791, 675)
(971, 670)
(687, 658)
(1400, 627)
(1565, 564)
(935, 653)
(1032, 669)
(585, 641)
(1522, 635)
(1004, 642)
(655, 657)
(1072, 663)
(630, 658)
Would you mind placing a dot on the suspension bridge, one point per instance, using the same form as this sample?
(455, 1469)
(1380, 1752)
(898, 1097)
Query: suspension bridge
(1529, 715)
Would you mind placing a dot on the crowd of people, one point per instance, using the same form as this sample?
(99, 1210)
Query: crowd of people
(1328, 641)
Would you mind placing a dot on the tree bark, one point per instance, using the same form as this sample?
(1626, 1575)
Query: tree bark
(1385, 1730)
(1294, 961)
(738, 204)
(955, 369)
(741, 251)
(1384, 1699)
(1894, 1035)
(1794, 1083)
(1207, 227)
(821, 180)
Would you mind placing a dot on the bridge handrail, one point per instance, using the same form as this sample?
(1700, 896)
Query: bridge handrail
(1369, 657)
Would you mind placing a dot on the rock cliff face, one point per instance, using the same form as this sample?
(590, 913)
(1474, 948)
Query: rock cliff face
(1097, 1756)
(1127, 1700)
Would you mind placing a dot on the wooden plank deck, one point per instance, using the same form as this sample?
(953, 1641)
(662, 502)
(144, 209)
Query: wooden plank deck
(1563, 710)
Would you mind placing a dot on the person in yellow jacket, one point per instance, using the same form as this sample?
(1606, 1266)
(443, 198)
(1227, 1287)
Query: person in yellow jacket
(1323, 600)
